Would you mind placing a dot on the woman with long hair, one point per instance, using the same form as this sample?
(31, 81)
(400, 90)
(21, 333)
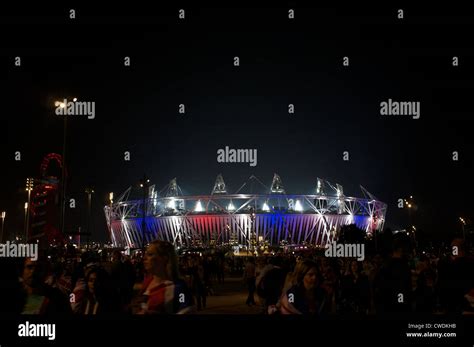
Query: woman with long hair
(163, 291)
(306, 296)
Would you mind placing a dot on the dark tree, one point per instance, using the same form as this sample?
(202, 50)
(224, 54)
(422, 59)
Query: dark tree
(351, 234)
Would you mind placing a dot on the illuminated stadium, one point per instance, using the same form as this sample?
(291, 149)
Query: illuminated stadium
(275, 218)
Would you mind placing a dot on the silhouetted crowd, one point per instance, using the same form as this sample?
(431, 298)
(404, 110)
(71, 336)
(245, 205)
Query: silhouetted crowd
(399, 284)
(158, 281)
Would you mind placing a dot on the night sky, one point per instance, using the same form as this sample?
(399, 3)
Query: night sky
(282, 61)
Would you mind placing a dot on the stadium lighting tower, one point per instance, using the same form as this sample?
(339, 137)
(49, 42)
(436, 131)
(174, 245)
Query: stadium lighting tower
(144, 184)
(198, 207)
(111, 200)
(29, 188)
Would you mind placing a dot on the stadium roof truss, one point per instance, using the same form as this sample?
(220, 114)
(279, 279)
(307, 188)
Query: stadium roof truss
(275, 216)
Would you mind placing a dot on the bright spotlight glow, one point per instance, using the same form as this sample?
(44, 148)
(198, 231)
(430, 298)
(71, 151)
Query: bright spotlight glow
(230, 207)
(172, 204)
(57, 103)
(198, 207)
(298, 206)
(265, 207)
(75, 99)
(62, 105)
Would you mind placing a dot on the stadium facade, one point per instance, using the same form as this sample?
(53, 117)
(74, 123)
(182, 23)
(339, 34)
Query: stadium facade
(274, 218)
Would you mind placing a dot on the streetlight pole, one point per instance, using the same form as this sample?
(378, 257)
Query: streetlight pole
(26, 212)
(62, 207)
(413, 231)
(3, 222)
(89, 192)
(463, 223)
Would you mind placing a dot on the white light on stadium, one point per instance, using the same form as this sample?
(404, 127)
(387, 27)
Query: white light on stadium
(172, 204)
(298, 206)
(198, 207)
(265, 207)
(230, 207)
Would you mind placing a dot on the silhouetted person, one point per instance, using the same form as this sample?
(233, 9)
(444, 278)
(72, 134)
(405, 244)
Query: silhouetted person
(271, 283)
(41, 298)
(355, 290)
(249, 278)
(12, 296)
(393, 288)
(456, 276)
(425, 293)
